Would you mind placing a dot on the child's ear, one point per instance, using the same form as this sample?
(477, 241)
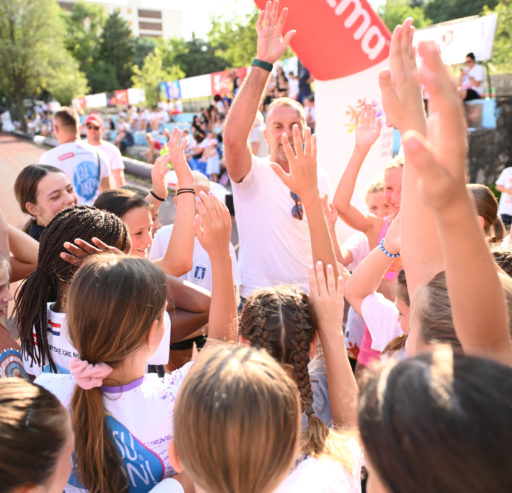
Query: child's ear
(173, 457)
(481, 221)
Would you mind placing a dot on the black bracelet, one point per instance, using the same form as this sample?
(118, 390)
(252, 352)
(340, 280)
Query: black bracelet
(261, 64)
(156, 196)
(185, 190)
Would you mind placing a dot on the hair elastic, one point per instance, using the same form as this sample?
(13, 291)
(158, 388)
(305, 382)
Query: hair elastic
(156, 196)
(185, 190)
(389, 254)
(89, 376)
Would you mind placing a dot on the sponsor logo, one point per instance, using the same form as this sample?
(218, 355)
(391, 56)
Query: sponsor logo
(68, 155)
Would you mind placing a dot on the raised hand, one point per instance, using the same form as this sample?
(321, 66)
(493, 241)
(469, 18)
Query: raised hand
(212, 225)
(440, 160)
(368, 127)
(271, 45)
(176, 156)
(302, 177)
(401, 91)
(78, 251)
(158, 173)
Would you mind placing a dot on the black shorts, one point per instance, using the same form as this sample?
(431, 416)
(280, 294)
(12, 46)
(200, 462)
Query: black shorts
(471, 94)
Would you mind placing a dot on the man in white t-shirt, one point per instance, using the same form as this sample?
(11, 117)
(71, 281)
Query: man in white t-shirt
(504, 185)
(94, 128)
(471, 80)
(86, 167)
(275, 247)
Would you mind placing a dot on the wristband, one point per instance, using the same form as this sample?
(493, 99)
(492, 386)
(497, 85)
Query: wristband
(156, 196)
(389, 254)
(261, 64)
(185, 190)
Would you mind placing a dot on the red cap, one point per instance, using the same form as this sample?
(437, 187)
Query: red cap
(95, 119)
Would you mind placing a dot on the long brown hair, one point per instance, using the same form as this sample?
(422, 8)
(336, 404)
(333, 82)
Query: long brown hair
(236, 421)
(487, 208)
(128, 294)
(281, 321)
(54, 273)
(438, 422)
(33, 427)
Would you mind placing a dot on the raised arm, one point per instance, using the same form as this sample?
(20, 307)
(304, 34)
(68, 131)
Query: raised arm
(271, 46)
(403, 105)
(178, 256)
(367, 277)
(327, 300)
(303, 180)
(476, 295)
(367, 131)
(213, 230)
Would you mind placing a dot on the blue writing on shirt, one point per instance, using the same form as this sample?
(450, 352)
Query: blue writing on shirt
(86, 179)
(199, 272)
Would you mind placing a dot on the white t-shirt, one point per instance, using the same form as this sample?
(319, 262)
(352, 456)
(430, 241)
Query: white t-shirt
(201, 273)
(293, 88)
(168, 485)
(275, 247)
(63, 351)
(257, 136)
(381, 318)
(80, 161)
(140, 418)
(115, 160)
(505, 180)
(325, 475)
(477, 73)
(360, 248)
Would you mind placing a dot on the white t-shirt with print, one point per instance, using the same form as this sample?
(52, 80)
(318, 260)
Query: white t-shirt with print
(275, 247)
(140, 418)
(168, 485)
(477, 72)
(325, 475)
(505, 180)
(381, 318)
(201, 273)
(63, 351)
(80, 161)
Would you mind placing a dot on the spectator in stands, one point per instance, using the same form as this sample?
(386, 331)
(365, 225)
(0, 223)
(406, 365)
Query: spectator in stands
(471, 79)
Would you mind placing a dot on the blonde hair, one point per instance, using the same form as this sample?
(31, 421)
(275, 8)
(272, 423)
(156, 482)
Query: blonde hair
(291, 103)
(281, 320)
(236, 421)
(397, 162)
(375, 187)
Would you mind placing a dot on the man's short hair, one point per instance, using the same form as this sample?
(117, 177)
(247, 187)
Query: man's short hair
(291, 103)
(67, 117)
(471, 55)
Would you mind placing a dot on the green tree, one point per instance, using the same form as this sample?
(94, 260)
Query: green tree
(143, 47)
(32, 52)
(446, 10)
(393, 12)
(152, 73)
(114, 58)
(502, 47)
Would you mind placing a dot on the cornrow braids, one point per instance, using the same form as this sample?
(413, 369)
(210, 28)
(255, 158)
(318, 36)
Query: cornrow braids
(53, 274)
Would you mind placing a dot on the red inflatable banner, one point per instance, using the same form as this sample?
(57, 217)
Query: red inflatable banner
(335, 38)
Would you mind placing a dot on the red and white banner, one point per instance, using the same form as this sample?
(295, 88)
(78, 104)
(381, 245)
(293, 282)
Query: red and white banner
(344, 44)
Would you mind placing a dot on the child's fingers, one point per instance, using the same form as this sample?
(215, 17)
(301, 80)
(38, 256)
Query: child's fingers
(297, 141)
(395, 54)
(320, 276)
(389, 99)
(307, 141)
(70, 259)
(331, 281)
(283, 176)
(290, 155)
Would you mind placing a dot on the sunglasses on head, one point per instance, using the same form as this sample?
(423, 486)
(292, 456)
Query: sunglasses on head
(91, 127)
(297, 210)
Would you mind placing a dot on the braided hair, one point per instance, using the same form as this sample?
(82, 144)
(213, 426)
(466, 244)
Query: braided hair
(53, 274)
(281, 321)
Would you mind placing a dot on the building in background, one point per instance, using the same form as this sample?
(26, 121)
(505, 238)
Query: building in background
(146, 19)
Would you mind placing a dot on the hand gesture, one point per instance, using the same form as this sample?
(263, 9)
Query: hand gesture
(392, 238)
(368, 127)
(326, 298)
(212, 225)
(441, 158)
(158, 173)
(401, 91)
(176, 156)
(302, 178)
(271, 46)
(81, 249)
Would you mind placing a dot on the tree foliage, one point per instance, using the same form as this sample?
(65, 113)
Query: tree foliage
(446, 10)
(152, 73)
(32, 53)
(501, 61)
(393, 12)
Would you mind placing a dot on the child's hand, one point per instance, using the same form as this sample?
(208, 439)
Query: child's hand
(158, 173)
(441, 158)
(392, 238)
(212, 225)
(401, 91)
(302, 178)
(368, 127)
(327, 298)
(78, 251)
(176, 156)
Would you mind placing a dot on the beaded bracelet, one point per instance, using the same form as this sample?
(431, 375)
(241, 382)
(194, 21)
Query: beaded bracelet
(389, 254)
(185, 190)
(156, 196)
(261, 64)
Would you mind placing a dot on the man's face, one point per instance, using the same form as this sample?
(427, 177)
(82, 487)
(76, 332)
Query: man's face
(93, 133)
(280, 121)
